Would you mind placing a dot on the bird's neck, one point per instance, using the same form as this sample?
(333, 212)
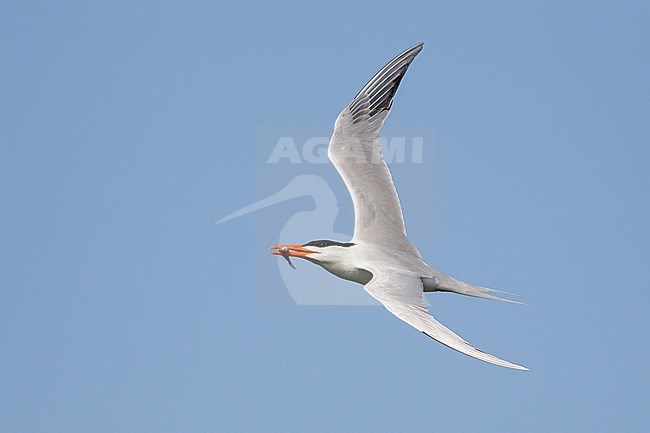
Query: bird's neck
(344, 267)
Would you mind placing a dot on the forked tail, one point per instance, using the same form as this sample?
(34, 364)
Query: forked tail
(440, 282)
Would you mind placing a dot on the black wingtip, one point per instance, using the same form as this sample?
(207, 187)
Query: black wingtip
(378, 93)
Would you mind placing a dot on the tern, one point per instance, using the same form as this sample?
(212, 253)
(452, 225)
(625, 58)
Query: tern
(379, 256)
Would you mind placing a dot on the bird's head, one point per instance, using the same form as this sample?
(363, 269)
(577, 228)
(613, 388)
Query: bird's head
(319, 252)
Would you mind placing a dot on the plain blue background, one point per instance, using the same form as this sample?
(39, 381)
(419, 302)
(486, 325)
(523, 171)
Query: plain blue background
(128, 128)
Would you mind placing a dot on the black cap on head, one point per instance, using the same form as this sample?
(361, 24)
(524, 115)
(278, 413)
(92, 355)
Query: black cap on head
(325, 243)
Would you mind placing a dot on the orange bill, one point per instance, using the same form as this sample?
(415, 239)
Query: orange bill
(291, 250)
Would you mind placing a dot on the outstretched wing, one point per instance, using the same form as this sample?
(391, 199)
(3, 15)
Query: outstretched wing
(401, 294)
(355, 151)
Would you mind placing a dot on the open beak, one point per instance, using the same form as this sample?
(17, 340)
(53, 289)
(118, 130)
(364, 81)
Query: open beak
(291, 250)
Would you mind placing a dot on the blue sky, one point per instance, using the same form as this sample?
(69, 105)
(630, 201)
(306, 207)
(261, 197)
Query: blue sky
(128, 128)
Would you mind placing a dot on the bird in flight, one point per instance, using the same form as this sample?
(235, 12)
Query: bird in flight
(379, 256)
